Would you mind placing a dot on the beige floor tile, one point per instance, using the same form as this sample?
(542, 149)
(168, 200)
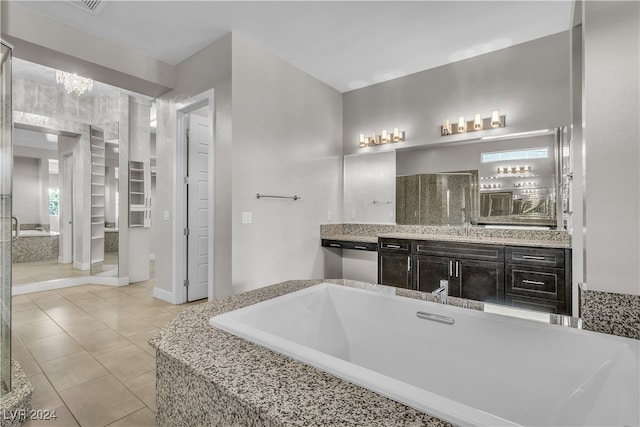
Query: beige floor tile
(91, 302)
(161, 320)
(65, 312)
(144, 387)
(142, 340)
(27, 316)
(63, 418)
(127, 362)
(44, 395)
(100, 402)
(127, 325)
(105, 314)
(73, 370)
(81, 325)
(29, 332)
(101, 341)
(24, 358)
(20, 298)
(22, 305)
(142, 418)
(144, 311)
(42, 295)
(53, 347)
(52, 301)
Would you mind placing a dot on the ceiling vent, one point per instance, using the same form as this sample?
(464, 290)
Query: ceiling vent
(91, 6)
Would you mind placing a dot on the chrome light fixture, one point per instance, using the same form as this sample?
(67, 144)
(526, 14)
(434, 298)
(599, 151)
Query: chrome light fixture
(74, 83)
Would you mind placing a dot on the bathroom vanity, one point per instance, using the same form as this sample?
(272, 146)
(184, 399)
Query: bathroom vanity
(520, 268)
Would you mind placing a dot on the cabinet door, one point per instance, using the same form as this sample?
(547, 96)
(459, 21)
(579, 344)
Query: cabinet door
(394, 270)
(479, 280)
(429, 270)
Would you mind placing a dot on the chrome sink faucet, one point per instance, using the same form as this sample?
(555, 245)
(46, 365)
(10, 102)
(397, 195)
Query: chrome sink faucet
(443, 291)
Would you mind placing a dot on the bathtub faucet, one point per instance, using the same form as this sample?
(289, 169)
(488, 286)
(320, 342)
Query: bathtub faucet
(443, 291)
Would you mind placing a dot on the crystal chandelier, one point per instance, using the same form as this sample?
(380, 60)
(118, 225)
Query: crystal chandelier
(74, 83)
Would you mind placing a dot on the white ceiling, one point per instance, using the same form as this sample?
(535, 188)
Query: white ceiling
(346, 44)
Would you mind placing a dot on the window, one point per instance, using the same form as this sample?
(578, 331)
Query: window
(54, 202)
(528, 154)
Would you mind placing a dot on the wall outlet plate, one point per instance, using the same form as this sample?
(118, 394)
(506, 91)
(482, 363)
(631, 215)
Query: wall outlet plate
(247, 217)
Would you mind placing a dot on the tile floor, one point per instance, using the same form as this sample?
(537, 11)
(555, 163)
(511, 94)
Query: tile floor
(38, 271)
(85, 352)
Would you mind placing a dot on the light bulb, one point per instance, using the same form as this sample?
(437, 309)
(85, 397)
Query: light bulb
(462, 125)
(495, 119)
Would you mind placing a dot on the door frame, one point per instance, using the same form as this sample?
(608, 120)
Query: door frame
(180, 195)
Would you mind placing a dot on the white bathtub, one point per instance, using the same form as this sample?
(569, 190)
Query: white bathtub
(485, 369)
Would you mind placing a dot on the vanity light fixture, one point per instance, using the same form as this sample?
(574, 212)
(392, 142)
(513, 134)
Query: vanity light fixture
(524, 184)
(514, 169)
(490, 186)
(383, 138)
(462, 125)
(74, 83)
(476, 125)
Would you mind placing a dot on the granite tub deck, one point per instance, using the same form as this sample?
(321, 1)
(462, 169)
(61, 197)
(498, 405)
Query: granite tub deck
(510, 237)
(207, 377)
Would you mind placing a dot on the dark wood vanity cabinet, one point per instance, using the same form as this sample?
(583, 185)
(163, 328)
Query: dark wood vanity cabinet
(394, 263)
(538, 279)
(473, 271)
(524, 277)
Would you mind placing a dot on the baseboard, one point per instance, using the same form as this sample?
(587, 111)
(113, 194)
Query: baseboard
(164, 295)
(67, 283)
(81, 266)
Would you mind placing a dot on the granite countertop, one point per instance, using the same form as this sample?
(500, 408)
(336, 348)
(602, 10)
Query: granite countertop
(287, 392)
(512, 237)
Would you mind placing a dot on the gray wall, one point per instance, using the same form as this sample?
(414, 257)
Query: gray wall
(612, 143)
(528, 82)
(27, 190)
(208, 69)
(287, 129)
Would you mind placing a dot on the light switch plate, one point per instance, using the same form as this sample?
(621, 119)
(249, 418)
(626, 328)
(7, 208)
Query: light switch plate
(165, 215)
(247, 217)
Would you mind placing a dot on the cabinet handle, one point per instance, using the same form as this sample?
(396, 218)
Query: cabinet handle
(450, 268)
(335, 245)
(537, 258)
(360, 247)
(457, 269)
(533, 282)
(392, 246)
(408, 263)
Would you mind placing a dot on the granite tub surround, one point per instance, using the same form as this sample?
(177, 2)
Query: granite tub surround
(610, 313)
(515, 237)
(15, 407)
(35, 248)
(208, 377)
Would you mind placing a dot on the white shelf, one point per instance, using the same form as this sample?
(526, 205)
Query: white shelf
(97, 237)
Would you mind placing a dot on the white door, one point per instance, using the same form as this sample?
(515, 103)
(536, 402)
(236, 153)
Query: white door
(66, 210)
(198, 207)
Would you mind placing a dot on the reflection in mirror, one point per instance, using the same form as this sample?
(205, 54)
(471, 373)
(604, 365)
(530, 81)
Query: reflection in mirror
(105, 159)
(369, 188)
(512, 180)
(43, 185)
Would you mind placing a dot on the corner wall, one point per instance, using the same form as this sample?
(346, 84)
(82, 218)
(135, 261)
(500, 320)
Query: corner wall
(612, 145)
(287, 129)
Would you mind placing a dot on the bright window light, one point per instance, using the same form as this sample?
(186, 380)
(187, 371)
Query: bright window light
(502, 156)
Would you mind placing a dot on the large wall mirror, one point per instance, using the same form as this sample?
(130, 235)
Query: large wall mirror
(517, 179)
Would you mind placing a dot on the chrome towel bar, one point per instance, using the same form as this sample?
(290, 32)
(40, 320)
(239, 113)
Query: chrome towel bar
(435, 317)
(260, 196)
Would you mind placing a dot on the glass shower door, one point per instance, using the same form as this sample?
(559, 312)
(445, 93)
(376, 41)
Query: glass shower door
(6, 165)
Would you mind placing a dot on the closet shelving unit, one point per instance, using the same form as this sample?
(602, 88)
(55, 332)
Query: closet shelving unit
(139, 194)
(97, 196)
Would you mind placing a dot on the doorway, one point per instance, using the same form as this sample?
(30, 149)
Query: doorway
(194, 222)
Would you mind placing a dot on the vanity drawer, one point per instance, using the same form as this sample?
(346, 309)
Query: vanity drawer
(547, 257)
(537, 304)
(347, 244)
(459, 250)
(538, 282)
(394, 245)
